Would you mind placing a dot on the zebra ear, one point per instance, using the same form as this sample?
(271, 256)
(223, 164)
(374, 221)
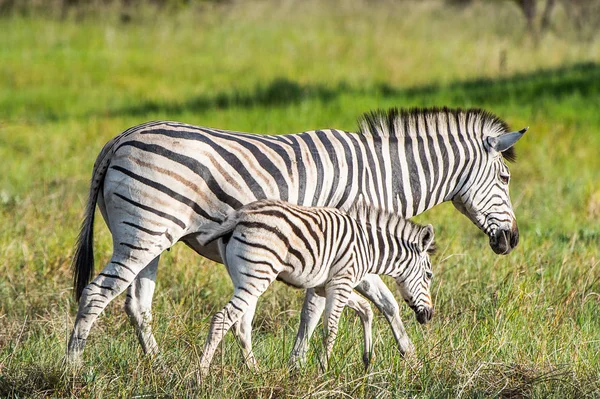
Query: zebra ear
(426, 238)
(506, 140)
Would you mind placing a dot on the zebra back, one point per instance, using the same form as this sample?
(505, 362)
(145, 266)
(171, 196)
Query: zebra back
(167, 179)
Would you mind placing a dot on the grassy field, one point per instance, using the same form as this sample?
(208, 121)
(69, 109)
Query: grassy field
(525, 325)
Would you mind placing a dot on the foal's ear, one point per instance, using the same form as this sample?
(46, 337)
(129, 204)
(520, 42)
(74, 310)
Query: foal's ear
(426, 238)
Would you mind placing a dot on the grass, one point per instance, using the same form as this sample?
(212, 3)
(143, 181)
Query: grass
(525, 325)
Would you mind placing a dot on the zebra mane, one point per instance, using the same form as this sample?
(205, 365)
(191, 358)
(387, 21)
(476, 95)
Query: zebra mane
(404, 122)
(387, 222)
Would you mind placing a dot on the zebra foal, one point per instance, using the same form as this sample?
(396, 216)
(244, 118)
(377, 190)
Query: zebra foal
(321, 248)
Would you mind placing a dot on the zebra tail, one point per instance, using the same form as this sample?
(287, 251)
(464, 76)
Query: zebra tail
(211, 231)
(83, 261)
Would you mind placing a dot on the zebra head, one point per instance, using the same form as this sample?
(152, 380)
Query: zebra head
(483, 194)
(415, 277)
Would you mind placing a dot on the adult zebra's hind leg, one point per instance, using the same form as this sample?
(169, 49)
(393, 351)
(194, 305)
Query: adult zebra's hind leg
(126, 263)
(138, 306)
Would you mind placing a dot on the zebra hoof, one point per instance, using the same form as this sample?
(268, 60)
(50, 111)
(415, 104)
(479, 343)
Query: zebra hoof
(297, 361)
(160, 363)
(73, 362)
(367, 358)
(406, 347)
(203, 372)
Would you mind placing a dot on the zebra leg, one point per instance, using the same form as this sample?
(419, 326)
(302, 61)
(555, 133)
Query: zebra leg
(374, 289)
(362, 307)
(243, 331)
(239, 304)
(337, 295)
(116, 276)
(312, 309)
(250, 280)
(138, 306)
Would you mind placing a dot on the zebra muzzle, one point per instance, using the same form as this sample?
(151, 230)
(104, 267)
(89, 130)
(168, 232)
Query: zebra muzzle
(424, 314)
(504, 241)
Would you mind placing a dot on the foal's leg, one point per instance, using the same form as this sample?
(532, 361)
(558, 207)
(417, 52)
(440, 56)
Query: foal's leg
(243, 331)
(371, 287)
(250, 280)
(314, 304)
(337, 294)
(233, 311)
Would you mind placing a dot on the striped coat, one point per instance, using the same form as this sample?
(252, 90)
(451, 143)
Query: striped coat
(322, 248)
(161, 182)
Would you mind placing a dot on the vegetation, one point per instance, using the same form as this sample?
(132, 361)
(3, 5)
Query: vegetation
(523, 325)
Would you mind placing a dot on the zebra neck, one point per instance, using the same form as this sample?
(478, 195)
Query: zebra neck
(409, 175)
(381, 249)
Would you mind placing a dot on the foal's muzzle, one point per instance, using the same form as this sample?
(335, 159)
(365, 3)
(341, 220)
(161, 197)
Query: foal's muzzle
(424, 314)
(503, 241)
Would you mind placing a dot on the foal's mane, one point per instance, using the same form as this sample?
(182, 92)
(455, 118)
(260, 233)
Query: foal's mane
(403, 122)
(388, 222)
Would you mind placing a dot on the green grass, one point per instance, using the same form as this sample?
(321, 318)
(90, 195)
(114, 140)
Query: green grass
(524, 325)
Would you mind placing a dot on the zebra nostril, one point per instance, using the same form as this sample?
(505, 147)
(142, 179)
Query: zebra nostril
(494, 238)
(514, 237)
(501, 242)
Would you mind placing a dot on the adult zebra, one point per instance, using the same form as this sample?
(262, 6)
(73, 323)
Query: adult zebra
(159, 182)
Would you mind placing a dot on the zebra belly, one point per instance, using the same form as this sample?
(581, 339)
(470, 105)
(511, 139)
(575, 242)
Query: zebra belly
(211, 251)
(303, 282)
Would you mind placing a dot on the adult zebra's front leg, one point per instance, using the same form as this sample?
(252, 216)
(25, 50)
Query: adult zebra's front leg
(374, 289)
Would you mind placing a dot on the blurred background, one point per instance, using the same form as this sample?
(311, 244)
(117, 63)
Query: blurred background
(75, 73)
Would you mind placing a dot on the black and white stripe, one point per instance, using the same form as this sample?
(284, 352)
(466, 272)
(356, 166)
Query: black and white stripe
(321, 248)
(161, 182)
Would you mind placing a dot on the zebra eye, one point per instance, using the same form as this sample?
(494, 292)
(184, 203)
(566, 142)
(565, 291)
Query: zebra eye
(429, 274)
(504, 178)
